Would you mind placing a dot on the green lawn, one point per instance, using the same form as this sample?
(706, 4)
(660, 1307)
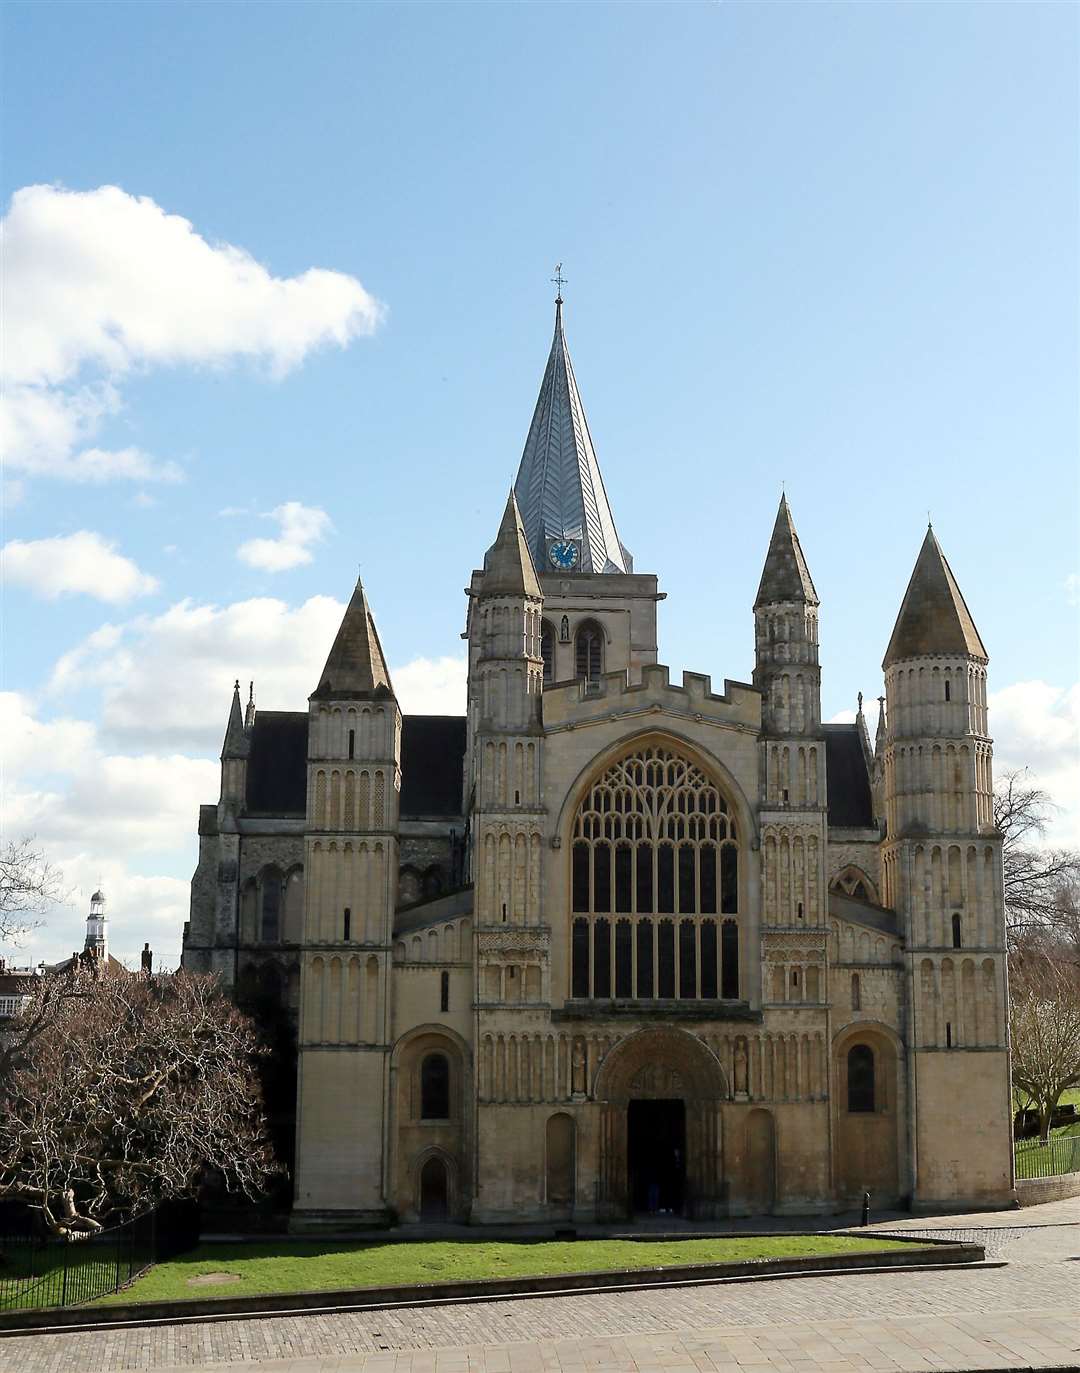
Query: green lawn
(312, 1266)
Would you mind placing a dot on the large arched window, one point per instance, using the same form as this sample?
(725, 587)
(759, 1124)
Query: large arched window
(852, 881)
(589, 651)
(654, 884)
(435, 1087)
(547, 651)
(860, 1078)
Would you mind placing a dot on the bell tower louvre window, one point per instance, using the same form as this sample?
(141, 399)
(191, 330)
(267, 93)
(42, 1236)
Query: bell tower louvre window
(654, 884)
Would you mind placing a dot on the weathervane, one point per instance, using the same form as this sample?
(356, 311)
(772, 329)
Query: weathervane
(559, 281)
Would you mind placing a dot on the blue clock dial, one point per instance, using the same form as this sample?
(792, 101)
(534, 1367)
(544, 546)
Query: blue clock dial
(564, 555)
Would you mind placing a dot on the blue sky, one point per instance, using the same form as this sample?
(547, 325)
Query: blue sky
(834, 246)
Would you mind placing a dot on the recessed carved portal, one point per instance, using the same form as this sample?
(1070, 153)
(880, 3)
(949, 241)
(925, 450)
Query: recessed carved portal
(660, 1148)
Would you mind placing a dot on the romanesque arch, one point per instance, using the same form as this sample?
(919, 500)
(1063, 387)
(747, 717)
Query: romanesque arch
(431, 1086)
(659, 1093)
(868, 1113)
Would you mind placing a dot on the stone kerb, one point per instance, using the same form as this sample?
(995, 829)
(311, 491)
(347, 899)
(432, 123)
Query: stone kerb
(1034, 1191)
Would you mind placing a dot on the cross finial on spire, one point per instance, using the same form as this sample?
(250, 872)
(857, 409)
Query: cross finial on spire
(558, 281)
(860, 702)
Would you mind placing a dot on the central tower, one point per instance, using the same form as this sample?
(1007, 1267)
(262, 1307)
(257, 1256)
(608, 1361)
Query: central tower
(600, 616)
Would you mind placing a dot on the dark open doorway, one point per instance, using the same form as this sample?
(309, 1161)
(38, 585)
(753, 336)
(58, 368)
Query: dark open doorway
(656, 1156)
(434, 1190)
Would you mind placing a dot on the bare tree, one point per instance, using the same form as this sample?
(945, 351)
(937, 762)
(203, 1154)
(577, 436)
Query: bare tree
(1044, 1020)
(1035, 877)
(120, 1091)
(29, 886)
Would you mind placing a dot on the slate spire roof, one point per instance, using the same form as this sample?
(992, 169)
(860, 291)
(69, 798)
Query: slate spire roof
(559, 488)
(508, 567)
(356, 666)
(934, 617)
(785, 576)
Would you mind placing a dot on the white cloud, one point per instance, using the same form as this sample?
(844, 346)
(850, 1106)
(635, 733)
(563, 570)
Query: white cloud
(166, 679)
(1036, 725)
(103, 817)
(100, 283)
(300, 527)
(82, 563)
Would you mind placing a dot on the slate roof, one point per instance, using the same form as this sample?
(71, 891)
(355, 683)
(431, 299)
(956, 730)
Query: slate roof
(934, 617)
(559, 487)
(432, 756)
(277, 763)
(850, 802)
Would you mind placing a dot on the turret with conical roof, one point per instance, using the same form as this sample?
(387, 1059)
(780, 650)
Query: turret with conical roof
(351, 863)
(508, 568)
(235, 750)
(786, 635)
(941, 869)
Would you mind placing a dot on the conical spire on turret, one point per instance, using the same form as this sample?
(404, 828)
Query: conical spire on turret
(508, 568)
(237, 743)
(934, 618)
(559, 488)
(356, 667)
(785, 576)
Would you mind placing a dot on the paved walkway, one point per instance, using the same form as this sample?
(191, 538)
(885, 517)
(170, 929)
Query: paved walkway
(1025, 1315)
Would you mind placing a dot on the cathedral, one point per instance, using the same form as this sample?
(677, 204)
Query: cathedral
(610, 944)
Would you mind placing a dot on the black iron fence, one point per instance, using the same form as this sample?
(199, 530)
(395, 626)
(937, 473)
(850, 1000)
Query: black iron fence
(41, 1270)
(1036, 1159)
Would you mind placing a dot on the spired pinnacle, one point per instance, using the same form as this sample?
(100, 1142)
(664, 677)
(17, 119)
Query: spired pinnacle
(236, 744)
(933, 617)
(356, 666)
(785, 576)
(508, 568)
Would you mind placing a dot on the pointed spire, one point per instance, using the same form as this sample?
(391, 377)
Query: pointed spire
(934, 617)
(237, 744)
(559, 488)
(881, 736)
(508, 568)
(249, 710)
(785, 576)
(356, 666)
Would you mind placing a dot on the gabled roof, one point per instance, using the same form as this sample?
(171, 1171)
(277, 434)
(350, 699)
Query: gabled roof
(785, 576)
(356, 666)
(934, 617)
(850, 801)
(508, 568)
(559, 488)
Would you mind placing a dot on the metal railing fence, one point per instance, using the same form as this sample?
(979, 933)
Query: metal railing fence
(1059, 1154)
(38, 1270)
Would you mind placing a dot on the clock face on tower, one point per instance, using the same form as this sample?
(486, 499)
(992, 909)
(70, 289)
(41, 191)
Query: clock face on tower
(564, 554)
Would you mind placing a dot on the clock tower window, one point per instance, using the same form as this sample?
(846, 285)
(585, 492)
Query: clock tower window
(547, 651)
(589, 651)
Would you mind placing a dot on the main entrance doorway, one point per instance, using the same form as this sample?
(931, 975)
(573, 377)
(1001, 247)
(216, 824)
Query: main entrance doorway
(656, 1156)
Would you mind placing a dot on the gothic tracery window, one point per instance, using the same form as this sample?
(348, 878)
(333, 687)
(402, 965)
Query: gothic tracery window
(654, 884)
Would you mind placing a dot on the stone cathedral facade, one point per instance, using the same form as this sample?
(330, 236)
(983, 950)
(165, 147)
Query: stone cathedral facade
(610, 943)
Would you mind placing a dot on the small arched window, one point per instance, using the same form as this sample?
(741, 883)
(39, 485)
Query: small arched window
(547, 652)
(860, 1079)
(271, 906)
(856, 993)
(435, 1088)
(589, 651)
(957, 933)
(444, 991)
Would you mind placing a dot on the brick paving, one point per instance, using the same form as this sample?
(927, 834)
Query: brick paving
(1024, 1315)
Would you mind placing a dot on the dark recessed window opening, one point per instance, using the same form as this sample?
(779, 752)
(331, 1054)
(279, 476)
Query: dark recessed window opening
(347, 922)
(352, 743)
(547, 652)
(860, 1078)
(957, 940)
(435, 1087)
(444, 991)
(947, 696)
(948, 1034)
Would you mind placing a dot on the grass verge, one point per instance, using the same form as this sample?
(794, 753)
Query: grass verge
(237, 1270)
